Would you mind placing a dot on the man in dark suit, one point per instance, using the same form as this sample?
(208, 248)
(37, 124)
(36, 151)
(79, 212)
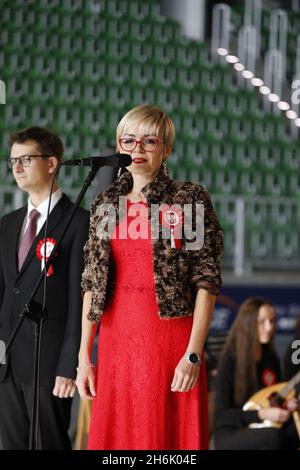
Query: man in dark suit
(35, 154)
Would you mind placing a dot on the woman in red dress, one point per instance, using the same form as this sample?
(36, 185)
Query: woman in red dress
(154, 298)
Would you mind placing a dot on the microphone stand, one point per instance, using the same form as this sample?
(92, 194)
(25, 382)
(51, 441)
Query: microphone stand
(34, 311)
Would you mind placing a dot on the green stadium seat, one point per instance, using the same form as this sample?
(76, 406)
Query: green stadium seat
(83, 66)
(249, 182)
(275, 183)
(225, 181)
(293, 184)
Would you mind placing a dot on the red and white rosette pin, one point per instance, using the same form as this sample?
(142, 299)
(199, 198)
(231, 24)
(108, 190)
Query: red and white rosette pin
(269, 377)
(172, 218)
(40, 253)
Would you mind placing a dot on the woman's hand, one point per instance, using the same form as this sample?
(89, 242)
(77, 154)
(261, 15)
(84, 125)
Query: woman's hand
(276, 415)
(185, 376)
(85, 381)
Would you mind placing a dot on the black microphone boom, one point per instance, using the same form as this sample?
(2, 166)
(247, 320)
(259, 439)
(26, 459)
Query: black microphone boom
(116, 160)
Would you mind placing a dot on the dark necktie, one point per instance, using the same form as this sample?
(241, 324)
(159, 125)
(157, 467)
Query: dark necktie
(28, 237)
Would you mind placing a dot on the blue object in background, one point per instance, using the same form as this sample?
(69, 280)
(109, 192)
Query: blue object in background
(285, 299)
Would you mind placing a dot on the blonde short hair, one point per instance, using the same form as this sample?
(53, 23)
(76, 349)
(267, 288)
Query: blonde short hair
(152, 121)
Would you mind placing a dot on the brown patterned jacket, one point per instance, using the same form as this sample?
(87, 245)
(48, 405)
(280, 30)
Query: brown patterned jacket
(178, 272)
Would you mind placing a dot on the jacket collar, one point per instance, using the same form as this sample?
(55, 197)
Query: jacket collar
(58, 214)
(153, 191)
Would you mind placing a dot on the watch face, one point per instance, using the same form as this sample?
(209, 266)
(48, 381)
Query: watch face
(193, 358)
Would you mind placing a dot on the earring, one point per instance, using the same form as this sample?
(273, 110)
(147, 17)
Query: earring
(165, 168)
(119, 172)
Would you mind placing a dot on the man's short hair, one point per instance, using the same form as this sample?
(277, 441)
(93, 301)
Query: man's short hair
(48, 142)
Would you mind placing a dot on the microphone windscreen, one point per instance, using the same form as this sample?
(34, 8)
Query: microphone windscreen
(124, 160)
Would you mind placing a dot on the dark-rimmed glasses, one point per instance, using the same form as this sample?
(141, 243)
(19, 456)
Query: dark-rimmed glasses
(24, 160)
(149, 144)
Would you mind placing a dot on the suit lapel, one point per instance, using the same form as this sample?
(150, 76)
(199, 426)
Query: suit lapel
(57, 215)
(13, 235)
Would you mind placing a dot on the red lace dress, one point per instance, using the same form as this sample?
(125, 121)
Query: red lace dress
(137, 354)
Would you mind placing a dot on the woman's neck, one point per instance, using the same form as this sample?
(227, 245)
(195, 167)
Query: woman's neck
(139, 182)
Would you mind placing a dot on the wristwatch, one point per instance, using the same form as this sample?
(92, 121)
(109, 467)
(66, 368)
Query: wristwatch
(193, 358)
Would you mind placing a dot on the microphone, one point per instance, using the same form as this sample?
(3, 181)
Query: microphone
(116, 160)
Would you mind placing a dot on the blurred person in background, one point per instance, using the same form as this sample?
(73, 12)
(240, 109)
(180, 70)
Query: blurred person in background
(248, 364)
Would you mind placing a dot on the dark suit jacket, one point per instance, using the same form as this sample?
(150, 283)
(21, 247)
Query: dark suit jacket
(62, 329)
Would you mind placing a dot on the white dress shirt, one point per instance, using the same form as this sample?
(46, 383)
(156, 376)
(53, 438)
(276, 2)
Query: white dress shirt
(42, 209)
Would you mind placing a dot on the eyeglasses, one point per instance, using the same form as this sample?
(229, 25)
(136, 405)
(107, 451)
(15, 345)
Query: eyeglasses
(149, 144)
(24, 160)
